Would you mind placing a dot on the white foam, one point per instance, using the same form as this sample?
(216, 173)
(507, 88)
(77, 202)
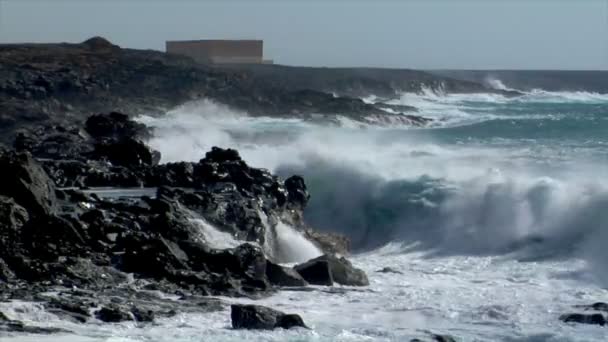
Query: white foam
(214, 237)
(293, 247)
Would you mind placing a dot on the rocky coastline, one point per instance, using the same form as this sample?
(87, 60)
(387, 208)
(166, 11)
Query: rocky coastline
(91, 258)
(63, 84)
(87, 257)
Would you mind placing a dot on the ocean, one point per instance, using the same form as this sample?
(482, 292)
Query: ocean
(494, 218)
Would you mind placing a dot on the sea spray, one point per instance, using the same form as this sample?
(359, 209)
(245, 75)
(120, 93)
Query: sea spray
(214, 237)
(285, 244)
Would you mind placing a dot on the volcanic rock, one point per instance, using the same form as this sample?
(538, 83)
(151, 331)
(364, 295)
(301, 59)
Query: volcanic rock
(283, 276)
(596, 318)
(327, 269)
(262, 318)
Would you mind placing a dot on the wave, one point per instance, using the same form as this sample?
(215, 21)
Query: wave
(414, 187)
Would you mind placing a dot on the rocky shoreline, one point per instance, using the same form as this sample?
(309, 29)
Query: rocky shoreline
(63, 84)
(190, 231)
(85, 257)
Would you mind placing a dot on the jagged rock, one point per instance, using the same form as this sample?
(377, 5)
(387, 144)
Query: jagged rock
(113, 314)
(283, 276)
(262, 318)
(142, 315)
(316, 272)
(329, 242)
(297, 192)
(327, 269)
(596, 318)
(115, 126)
(27, 183)
(12, 216)
(127, 152)
(220, 155)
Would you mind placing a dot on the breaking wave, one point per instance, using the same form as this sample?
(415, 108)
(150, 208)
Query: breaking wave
(500, 187)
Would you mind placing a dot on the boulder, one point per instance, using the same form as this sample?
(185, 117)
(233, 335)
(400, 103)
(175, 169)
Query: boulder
(127, 152)
(316, 272)
(596, 318)
(142, 315)
(113, 314)
(116, 126)
(283, 276)
(27, 183)
(262, 318)
(327, 269)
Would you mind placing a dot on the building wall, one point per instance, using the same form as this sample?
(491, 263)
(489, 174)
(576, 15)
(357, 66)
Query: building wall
(219, 51)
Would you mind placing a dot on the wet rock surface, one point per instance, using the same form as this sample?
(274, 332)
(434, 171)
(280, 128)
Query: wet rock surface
(88, 258)
(327, 269)
(262, 318)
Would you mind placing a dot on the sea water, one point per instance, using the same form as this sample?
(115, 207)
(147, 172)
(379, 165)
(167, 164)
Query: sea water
(494, 219)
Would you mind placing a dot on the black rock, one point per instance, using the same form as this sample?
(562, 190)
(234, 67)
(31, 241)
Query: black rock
(113, 314)
(288, 321)
(297, 192)
(27, 183)
(127, 152)
(116, 126)
(262, 318)
(327, 269)
(283, 276)
(142, 315)
(316, 272)
(219, 155)
(597, 319)
(435, 338)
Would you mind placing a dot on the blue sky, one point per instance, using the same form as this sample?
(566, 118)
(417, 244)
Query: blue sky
(469, 34)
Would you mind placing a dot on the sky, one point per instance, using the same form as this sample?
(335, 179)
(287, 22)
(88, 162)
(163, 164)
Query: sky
(422, 34)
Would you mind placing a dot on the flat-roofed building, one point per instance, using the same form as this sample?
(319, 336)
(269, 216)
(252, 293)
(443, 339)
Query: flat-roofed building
(219, 51)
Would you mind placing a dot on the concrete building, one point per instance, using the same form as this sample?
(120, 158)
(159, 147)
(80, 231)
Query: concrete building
(219, 51)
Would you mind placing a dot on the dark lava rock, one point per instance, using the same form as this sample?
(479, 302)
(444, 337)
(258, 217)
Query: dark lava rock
(126, 152)
(596, 318)
(260, 317)
(288, 321)
(283, 276)
(316, 272)
(115, 125)
(220, 155)
(113, 314)
(339, 269)
(142, 315)
(435, 338)
(27, 183)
